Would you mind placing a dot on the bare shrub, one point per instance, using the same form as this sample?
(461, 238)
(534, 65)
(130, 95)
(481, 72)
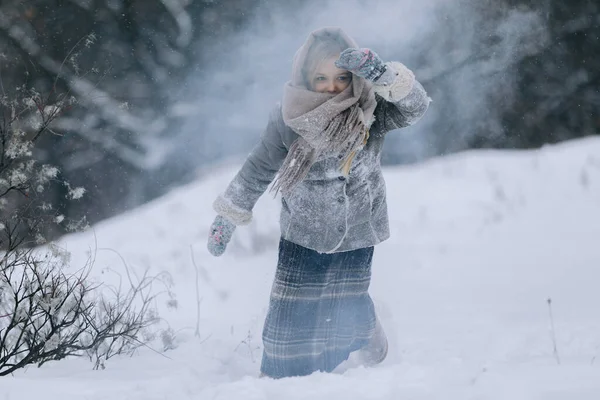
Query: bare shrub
(47, 311)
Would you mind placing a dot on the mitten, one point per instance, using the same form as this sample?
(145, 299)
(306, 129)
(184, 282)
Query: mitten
(219, 235)
(402, 84)
(366, 64)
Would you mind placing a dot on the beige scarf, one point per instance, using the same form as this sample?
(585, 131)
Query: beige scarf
(328, 124)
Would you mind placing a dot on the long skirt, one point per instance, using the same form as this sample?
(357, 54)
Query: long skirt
(320, 310)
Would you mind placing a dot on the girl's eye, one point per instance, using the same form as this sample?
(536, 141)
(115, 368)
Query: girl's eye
(344, 78)
(320, 78)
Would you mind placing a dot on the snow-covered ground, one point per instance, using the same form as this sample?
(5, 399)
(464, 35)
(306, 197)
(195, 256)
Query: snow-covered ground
(480, 241)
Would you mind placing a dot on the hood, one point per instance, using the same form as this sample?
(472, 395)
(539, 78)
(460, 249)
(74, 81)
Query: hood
(314, 38)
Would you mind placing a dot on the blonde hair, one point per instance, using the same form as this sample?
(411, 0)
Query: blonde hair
(347, 164)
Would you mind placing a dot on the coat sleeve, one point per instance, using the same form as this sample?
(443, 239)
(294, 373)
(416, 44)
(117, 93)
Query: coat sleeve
(257, 172)
(400, 104)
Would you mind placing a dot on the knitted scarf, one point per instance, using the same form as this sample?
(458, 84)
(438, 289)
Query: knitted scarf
(328, 124)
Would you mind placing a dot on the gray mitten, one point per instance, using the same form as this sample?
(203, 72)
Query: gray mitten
(219, 235)
(366, 64)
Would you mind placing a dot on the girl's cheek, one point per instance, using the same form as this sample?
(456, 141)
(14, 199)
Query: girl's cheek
(319, 87)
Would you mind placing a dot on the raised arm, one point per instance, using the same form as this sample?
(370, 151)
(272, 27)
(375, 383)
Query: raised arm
(402, 100)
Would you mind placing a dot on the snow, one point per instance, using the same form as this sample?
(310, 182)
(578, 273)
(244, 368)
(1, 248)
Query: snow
(480, 241)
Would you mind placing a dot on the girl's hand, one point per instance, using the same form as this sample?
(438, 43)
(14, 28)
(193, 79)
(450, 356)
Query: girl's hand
(392, 80)
(219, 235)
(362, 62)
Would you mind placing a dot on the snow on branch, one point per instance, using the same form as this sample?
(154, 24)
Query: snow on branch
(177, 10)
(97, 101)
(48, 314)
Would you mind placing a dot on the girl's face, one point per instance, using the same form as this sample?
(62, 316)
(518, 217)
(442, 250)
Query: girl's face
(328, 78)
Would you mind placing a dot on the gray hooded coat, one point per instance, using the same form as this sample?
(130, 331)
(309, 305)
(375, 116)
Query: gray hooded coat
(326, 211)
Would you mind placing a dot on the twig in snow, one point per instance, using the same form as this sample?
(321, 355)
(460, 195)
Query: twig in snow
(482, 371)
(595, 355)
(198, 299)
(248, 342)
(553, 331)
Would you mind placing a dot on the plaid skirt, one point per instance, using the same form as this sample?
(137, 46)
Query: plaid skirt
(320, 310)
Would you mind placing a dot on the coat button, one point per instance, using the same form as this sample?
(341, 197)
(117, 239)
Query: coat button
(341, 199)
(340, 229)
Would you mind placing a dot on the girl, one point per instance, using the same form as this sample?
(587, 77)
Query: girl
(322, 148)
